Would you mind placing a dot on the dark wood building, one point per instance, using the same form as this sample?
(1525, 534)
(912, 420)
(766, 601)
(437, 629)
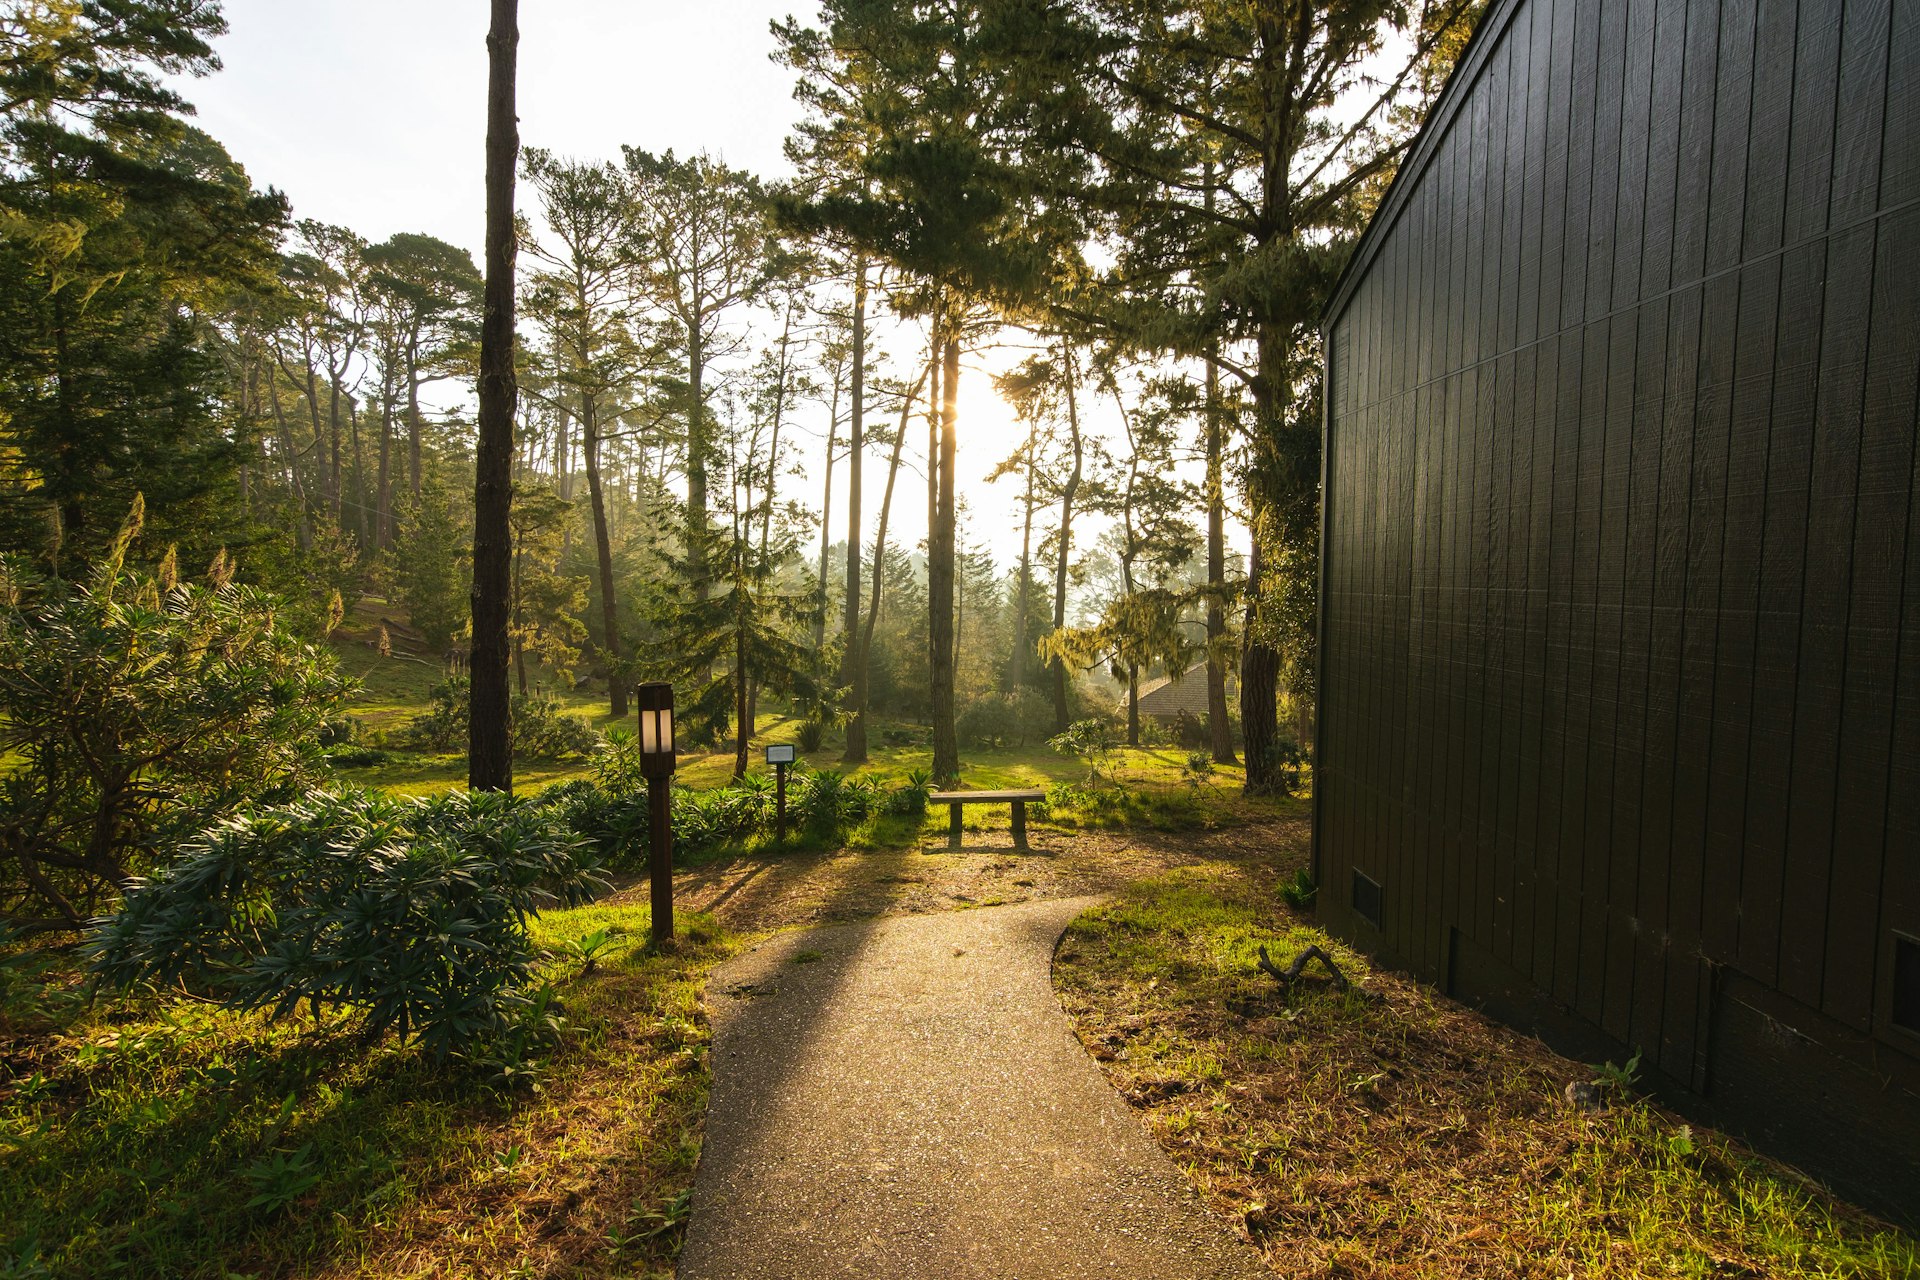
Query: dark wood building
(1620, 686)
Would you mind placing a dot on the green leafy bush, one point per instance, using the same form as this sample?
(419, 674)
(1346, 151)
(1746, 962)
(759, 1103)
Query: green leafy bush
(810, 735)
(413, 912)
(989, 722)
(707, 820)
(1289, 761)
(1091, 740)
(828, 802)
(541, 727)
(358, 757)
(138, 708)
(910, 800)
(611, 825)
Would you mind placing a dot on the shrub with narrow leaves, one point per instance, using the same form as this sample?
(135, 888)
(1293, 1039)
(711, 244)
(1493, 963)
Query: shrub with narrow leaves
(135, 708)
(413, 912)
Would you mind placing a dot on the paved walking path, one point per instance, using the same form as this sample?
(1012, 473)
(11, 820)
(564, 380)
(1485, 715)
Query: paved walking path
(912, 1104)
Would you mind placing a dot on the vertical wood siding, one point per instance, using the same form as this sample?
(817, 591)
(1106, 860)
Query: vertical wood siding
(1620, 687)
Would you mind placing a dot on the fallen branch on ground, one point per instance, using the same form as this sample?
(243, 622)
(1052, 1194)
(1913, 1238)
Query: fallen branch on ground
(1291, 974)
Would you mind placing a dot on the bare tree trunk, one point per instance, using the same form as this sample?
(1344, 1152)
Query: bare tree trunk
(490, 746)
(856, 443)
(773, 443)
(743, 708)
(302, 529)
(383, 503)
(1062, 714)
(413, 414)
(562, 446)
(603, 555)
(1219, 730)
(1017, 668)
(359, 475)
(335, 491)
(940, 572)
(826, 521)
(697, 460)
(857, 726)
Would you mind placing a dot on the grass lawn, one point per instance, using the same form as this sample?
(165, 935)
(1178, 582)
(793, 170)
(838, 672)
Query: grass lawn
(167, 1138)
(1392, 1133)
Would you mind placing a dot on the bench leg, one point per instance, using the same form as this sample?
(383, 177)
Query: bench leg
(953, 827)
(1020, 824)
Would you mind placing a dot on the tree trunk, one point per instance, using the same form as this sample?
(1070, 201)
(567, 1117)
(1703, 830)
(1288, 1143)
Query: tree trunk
(603, 555)
(335, 491)
(697, 460)
(826, 522)
(361, 529)
(940, 571)
(773, 444)
(1259, 691)
(330, 500)
(1260, 662)
(383, 502)
(302, 529)
(857, 725)
(490, 747)
(1219, 729)
(742, 678)
(1061, 712)
(1133, 704)
(1017, 667)
(856, 442)
(413, 414)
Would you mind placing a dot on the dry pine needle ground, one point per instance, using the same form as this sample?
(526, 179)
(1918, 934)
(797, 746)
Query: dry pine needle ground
(1390, 1132)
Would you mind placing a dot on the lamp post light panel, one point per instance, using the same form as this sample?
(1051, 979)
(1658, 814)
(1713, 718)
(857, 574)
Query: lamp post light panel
(656, 728)
(780, 754)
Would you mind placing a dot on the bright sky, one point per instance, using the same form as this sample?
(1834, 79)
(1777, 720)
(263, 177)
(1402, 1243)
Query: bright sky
(369, 113)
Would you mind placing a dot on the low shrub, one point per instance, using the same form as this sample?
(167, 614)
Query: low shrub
(909, 800)
(1091, 740)
(541, 728)
(1289, 761)
(989, 722)
(412, 912)
(829, 802)
(611, 825)
(811, 734)
(358, 757)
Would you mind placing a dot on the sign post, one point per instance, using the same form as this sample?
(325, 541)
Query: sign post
(780, 756)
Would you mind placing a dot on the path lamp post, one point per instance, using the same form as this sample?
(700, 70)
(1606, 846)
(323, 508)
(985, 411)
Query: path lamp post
(655, 702)
(780, 756)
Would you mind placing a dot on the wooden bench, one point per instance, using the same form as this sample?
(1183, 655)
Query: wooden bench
(958, 799)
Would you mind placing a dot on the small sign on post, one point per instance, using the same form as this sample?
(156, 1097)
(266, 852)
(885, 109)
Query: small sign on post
(780, 756)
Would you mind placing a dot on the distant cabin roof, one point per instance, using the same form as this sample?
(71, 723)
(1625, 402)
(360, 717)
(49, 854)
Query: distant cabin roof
(1170, 695)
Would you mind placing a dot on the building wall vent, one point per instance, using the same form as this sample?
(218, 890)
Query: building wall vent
(1906, 983)
(1366, 898)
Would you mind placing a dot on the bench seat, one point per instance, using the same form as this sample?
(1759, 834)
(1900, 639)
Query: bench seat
(956, 800)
